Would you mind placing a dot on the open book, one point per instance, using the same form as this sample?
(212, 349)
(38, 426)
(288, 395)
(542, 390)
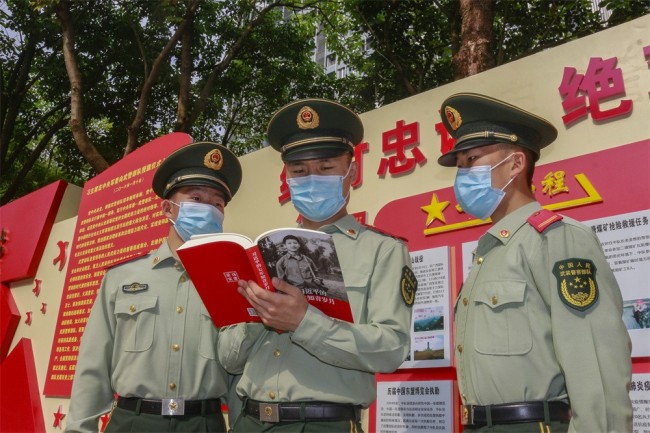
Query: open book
(304, 258)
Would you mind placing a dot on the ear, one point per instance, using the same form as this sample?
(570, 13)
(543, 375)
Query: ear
(354, 171)
(166, 208)
(518, 163)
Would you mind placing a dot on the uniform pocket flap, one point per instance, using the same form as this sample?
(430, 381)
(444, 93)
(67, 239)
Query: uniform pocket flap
(135, 305)
(497, 293)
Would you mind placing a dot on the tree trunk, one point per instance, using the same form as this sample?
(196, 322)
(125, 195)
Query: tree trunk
(185, 81)
(10, 103)
(88, 150)
(475, 53)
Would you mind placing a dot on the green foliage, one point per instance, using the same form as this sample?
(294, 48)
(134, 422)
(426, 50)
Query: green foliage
(625, 10)
(249, 58)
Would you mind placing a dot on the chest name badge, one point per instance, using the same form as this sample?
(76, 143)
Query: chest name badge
(408, 285)
(135, 288)
(576, 282)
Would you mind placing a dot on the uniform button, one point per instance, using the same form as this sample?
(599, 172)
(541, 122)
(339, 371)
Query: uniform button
(352, 232)
(465, 301)
(156, 260)
(179, 309)
(176, 347)
(132, 308)
(479, 260)
(504, 233)
(183, 279)
(494, 300)
(460, 348)
(272, 395)
(172, 386)
(276, 352)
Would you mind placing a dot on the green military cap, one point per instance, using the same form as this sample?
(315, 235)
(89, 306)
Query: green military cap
(314, 128)
(199, 164)
(477, 120)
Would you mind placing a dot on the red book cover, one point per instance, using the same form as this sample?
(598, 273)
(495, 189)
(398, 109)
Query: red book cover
(304, 258)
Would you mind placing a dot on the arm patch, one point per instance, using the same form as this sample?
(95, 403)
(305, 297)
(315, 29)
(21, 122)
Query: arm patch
(576, 283)
(408, 286)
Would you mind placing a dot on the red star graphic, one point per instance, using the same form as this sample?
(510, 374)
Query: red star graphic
(58, 416)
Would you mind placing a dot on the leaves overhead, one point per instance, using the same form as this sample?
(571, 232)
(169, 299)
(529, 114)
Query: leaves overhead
(219, 69)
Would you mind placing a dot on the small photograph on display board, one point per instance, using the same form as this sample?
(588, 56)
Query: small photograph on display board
(430, 327)
(414, 406)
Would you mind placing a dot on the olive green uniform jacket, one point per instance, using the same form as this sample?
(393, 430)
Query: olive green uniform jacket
(517, 340)
(152, 339)
(326, 359)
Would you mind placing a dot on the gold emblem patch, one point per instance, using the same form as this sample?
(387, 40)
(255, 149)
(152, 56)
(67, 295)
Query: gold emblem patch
(213, 159)
(307, 118)
(576, 282)
(408, 285)
(453, 117)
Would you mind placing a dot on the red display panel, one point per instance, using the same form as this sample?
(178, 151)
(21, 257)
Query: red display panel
(26, 226)
(19, 397)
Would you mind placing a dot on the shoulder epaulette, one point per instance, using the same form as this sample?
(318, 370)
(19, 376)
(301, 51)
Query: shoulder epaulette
(385, 233)
(541, 219)
(123, 260)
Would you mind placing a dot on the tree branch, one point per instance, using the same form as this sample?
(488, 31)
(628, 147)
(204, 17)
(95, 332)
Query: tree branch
(88, 150)
(150, 80)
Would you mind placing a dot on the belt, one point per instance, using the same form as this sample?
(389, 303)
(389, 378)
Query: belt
(515, 413)
(170, 406)
(312, 411)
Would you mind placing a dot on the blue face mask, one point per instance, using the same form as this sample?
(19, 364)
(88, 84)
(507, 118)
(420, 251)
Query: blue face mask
(474, 191)
(197, 219)
(317, 198)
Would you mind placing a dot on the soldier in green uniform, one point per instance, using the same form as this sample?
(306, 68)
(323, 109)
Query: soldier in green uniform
(540, 344)
(302, 370)
(149, 338)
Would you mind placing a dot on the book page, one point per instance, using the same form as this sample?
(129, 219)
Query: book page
(242, 240)
(307, 259)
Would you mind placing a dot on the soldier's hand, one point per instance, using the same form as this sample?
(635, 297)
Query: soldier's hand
(283, 309)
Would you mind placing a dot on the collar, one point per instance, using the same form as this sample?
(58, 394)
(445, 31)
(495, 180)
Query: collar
(504, 229)
(162, 256)
(348, 225)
